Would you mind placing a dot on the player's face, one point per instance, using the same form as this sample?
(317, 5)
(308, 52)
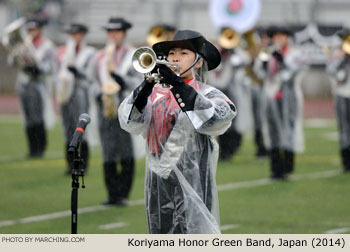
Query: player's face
(78, 37)
(34, 32)
(280, 40)
(184, 58)
(116, 36)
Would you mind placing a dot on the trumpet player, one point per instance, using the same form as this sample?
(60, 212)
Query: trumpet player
(338, 67)
(179, 116)
(113, 78)
(72, 84)
(284, 102)
(35, 63)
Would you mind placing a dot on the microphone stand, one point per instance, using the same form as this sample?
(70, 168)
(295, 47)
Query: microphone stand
(76, 164)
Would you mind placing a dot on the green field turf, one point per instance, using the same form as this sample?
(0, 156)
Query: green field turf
(304, 204)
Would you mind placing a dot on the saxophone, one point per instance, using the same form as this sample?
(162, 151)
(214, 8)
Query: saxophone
(65, 84)
(110, 88)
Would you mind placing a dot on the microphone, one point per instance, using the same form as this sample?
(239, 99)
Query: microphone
(84, 120)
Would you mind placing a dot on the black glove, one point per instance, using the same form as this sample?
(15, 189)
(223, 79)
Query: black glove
(75, 72)
(345, 62)
(33, 70)
(98, 99)
(169, 77)
(347, 57)
(278, 56)
(141, 94)
(265, 65)
(119, 80)
(155, 69)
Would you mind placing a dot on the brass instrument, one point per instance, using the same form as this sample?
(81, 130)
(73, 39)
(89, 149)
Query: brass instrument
(254, 51)
(18, 43)
(346, 45)
(252, 45)
(159, 33)
(110, 87)
(65, 84)
(145, 59)
(229, 38)
(13, 34)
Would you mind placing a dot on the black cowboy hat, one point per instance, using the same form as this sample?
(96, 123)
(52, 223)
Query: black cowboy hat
(343, 33)
(262, 31)
(272, 30)
(34, 23)
(117, 24)
(77, 28)
(193, 41)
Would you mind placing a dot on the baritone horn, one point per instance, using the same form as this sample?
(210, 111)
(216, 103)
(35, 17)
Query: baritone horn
(346, 45)
(18, 43)
(13, 34)
(229, 38)
(145, 59)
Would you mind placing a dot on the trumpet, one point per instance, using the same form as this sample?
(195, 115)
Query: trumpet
(144, 61)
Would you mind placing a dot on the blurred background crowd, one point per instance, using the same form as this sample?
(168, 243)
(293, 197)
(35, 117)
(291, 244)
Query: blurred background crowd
(282, 61)
(326, 16)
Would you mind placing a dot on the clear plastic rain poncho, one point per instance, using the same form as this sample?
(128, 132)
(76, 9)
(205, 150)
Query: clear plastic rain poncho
(181, 155)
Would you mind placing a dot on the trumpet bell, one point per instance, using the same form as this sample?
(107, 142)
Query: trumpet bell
(144, 60)
(229, 39)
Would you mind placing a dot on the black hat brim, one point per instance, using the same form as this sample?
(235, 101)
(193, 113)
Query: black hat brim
(117, 26)
(198, 45)
(76, 30)
(275, 30)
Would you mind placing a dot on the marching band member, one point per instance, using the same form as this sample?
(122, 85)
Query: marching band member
(257, 95)
(338, 67)
(228, 78)
(113, 79)
(179, 119)
(36, 65)
(72, 85)
(284, 103)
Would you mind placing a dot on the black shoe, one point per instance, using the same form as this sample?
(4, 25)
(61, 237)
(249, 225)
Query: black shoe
(35, 155)
(119, 202)
(279, 177)
(262, 153)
